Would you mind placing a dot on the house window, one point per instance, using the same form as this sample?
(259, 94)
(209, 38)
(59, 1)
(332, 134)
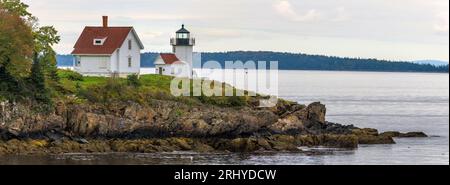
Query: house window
(77, 61)
(130, 46)
(129, 62)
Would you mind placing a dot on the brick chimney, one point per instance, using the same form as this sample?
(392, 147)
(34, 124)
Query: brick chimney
(105, 21)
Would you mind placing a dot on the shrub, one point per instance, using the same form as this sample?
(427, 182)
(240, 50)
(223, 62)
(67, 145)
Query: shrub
(133, 80)
(237, 101)
(70, 75)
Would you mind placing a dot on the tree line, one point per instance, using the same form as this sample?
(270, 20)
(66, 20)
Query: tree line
(293, 61)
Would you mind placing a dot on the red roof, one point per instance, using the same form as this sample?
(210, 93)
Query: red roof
(115, 37)
(170, 58)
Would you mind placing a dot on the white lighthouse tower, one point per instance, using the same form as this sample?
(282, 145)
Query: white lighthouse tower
(183, 46)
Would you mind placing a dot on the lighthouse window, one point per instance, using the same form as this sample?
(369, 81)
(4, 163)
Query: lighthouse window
(183, 35)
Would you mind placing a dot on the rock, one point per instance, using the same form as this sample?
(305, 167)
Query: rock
(178, 126)
(182, 143)
(391, 134)
(414, 134)
(39, 143)
(244, 145)
(334, 128)
(365, 132)
(285, 108)
(139, 113)
(6, 135)
(80, 140)
(14, 132)
(404, 135)
(303, 119)
(306, 140)
(283, 143)
(263, 143)
(284, 138)
(317, 112)
(328, 140)
(371, 139)
(371, 136)
(290, 124)
(283, 146)
(60, 109)
(202, 147)
(54, 136)
(341, 141)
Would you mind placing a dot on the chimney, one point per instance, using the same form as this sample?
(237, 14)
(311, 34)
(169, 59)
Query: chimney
(105, 21)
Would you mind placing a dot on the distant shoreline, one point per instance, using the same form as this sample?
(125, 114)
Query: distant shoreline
(432, 72)
(298, 61)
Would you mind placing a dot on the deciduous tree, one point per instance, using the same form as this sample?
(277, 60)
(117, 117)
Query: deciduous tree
(16, 44)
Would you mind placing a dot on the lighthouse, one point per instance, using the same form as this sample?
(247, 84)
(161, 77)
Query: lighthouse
(183, 46)
(179, 63)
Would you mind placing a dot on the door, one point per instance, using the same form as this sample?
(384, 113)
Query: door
(160, 70)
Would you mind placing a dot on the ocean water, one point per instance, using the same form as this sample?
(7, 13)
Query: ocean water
(386, 101)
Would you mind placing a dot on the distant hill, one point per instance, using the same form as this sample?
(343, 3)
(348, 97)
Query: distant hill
(64, 60)
(431, 62)
(292, 61)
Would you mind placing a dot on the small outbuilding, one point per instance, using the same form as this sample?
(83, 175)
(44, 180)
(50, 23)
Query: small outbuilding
(168, 64)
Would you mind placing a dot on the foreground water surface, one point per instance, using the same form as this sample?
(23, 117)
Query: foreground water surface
(386, 101)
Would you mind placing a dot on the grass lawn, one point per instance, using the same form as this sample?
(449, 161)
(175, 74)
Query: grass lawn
(151, 86)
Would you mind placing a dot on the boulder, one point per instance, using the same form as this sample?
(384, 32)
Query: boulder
(317, 112)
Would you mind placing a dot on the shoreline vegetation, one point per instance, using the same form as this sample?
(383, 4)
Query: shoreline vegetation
(45, 110)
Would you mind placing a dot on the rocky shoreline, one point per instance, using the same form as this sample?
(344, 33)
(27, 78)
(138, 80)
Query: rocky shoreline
(166, 126)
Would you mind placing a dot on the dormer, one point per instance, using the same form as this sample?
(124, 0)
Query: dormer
(99, 41)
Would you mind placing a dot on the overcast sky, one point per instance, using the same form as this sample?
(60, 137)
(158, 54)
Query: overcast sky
(384, 29)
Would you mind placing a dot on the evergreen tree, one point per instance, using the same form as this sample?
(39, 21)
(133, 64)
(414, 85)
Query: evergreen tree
(9, 86)
(37, 81)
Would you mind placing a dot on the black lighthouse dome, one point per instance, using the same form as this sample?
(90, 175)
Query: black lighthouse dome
(183, 30)
(183, 37)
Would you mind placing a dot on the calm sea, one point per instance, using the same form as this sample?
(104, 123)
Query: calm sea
(385, 101)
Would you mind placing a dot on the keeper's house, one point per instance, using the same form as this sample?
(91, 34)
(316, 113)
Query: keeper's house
(104, 51)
